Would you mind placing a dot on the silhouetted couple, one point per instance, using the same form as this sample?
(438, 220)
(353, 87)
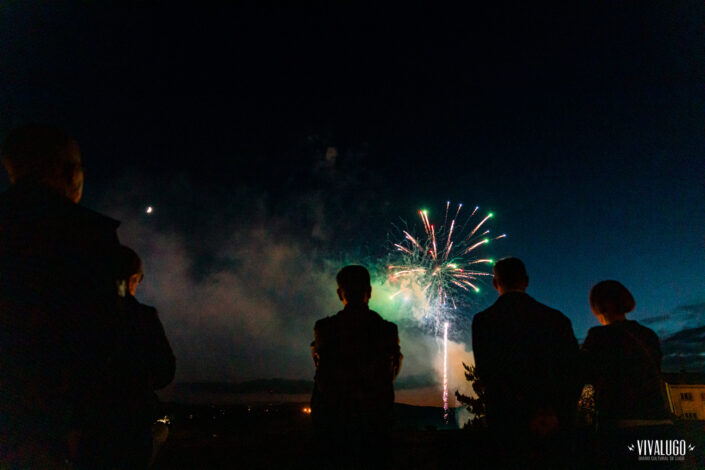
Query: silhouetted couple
(528, 359)
(78, 361)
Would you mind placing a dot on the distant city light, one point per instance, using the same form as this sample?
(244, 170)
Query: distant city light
(306, 410)
(149, 210)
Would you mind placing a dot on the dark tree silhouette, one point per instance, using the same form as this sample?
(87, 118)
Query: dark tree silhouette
(476, 405)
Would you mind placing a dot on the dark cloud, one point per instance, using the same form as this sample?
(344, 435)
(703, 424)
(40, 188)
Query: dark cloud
(682, 337)
(681, 318)
(684, 350)
(655, 320)
(692, 309)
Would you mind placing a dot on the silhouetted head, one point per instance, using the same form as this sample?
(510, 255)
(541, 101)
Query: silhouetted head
(610, 301)
(46, 156)
(510, 275)
(129, 270)
(354, 284)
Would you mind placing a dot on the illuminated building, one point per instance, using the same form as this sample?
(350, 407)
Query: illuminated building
(686, 394)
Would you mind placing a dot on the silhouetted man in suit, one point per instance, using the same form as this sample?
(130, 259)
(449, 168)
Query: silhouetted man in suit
(58, 301)
(527, 356)
(357, 358)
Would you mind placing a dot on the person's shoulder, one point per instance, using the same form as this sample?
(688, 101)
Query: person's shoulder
(481, 317)
(550, 312)
(141, 313)
(322, 323)
(95, 219)
(379, 319)
(39, 202)
(24, 202)
(325, 323)
(635, 324)
(145, 309)
(544, 307)
(596, 334)
(387, 328)
(596, 331)
(644, 331)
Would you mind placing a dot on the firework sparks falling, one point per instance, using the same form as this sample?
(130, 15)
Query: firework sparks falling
(445, 372)
(439, 270)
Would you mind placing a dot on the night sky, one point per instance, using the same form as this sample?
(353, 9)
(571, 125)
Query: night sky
(276, 144)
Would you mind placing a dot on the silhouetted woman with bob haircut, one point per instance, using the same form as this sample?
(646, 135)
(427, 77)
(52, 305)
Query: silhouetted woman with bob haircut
(623, 363)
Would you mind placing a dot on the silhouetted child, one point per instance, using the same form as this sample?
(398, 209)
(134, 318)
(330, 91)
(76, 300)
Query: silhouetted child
(623, 362)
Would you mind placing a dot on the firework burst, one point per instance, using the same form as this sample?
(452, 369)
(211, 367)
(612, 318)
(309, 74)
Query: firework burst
(440, 269)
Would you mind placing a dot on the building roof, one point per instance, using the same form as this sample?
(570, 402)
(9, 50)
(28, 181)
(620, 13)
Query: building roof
(684, 378)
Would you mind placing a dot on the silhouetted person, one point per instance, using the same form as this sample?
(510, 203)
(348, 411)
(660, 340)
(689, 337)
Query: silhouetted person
(144, 363)
(623, 363)
(58, 302)
(357, 358)
(527, 356)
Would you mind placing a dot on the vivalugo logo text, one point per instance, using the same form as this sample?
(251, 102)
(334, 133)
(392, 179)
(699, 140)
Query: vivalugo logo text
(661, 450)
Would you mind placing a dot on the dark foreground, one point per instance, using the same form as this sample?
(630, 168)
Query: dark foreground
(279, 437)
